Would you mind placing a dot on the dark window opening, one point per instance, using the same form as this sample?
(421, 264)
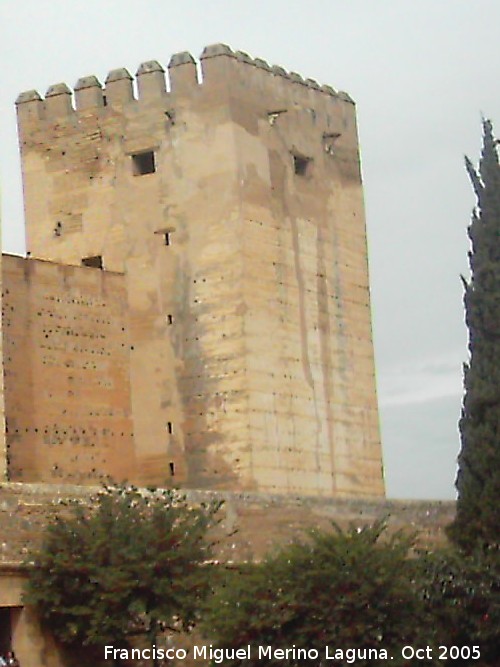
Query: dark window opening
(143, 163)
(273, 116)
(5, 630)
(58, 229)
(171, 465)
(170, 319)
(104, 101)
(166, 235)
(329, 141)
(301, 165)
(94, 262)
(170, 428)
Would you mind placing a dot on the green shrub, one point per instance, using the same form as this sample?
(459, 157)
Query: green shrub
(125, 566)
(339, 588)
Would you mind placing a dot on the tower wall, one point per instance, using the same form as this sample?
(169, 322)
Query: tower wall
(3, 443)
(234, 207)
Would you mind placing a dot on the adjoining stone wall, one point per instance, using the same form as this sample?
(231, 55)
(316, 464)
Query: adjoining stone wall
(252, 523)
(66, 365)
(234, 207)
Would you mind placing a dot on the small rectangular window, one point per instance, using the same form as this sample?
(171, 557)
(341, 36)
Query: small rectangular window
(170, 428)
(301, 165)
(94, 262)
(143, 163)
(171, 465)
(166, 235)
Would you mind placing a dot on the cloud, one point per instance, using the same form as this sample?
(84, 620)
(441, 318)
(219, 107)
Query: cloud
(422, 381)
(420, 445)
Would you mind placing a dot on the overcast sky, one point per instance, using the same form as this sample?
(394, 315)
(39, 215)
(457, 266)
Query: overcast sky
(421, 72)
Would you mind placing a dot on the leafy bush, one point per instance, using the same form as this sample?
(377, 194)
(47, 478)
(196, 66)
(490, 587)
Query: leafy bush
(461, 595)
(342, 589)
(127, 565)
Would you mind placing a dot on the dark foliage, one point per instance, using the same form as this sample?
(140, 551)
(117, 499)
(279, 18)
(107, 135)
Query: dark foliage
(478, 482)
(342, 589)
(128, 566)
(461, 595)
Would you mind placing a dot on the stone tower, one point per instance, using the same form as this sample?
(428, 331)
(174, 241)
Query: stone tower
(231, 200)
(3, 448)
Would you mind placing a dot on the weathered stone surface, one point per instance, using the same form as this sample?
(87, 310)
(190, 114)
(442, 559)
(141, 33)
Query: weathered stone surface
(66, 368)
(243, 246)
(149, 66)
(57, 89)
(3, 443)
(28, 96)
(217, 50)
(252, 523)
(182, 58)
(88, 82)
(118, 75)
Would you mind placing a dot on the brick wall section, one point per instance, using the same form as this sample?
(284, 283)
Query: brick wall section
(66, 365)
(252, 523)
(3, 448)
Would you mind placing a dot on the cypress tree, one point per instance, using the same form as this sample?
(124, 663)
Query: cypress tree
(477, 522)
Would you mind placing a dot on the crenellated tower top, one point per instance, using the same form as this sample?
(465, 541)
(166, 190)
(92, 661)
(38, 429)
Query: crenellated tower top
(219, 66)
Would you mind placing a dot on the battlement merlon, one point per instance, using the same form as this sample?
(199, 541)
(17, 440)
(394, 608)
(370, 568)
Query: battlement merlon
(221, 67)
